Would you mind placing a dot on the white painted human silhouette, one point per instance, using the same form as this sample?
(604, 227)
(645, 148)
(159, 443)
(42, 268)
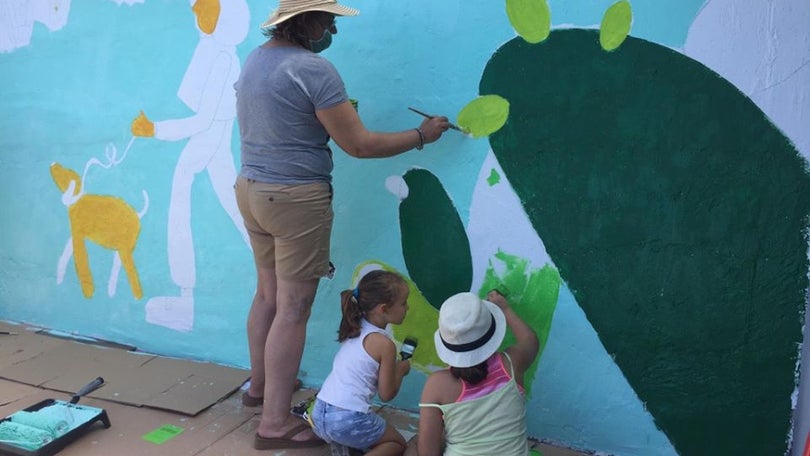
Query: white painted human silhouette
(207, 89)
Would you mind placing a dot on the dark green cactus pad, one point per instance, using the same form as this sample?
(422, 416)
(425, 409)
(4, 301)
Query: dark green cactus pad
(434, 241)
(676, 212)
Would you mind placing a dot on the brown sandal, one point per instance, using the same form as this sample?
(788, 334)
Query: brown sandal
(286, 441)
(250, 401)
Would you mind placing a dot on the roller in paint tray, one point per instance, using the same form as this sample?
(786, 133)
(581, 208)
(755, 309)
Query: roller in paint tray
(46, 427)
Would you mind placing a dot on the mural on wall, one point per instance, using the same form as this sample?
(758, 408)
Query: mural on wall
(665, 197)
(439, 265)
(103, 219)
(206, 89)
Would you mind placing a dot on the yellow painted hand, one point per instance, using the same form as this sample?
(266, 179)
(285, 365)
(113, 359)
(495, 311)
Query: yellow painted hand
(142, 126)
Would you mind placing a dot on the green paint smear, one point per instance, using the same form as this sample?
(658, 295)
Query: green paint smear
(163, 434)
(531, 19)
(493, 178)
(677, 217)
(434, 241)
(420, 322)
(615, 25)
(484, 115)
(532, 294)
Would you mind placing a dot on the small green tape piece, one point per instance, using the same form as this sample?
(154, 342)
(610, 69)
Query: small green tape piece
(163, 434)
(535, 453)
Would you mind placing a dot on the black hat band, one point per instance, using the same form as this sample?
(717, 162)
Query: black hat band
(470, 346)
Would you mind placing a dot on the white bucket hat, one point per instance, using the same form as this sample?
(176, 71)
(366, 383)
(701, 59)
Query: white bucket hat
(470, 330)
(289, 8)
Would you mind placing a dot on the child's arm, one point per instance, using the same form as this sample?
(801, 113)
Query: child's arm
(392, 371)
(431, 423)
(526, 346)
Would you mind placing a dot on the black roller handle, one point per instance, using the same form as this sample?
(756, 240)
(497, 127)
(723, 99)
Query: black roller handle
(90, 387)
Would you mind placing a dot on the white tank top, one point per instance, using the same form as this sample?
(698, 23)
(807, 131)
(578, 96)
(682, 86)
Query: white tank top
(353, 381)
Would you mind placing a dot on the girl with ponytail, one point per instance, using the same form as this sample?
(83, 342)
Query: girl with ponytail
(365, 365)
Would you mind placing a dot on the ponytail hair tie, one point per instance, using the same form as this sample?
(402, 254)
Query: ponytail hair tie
(356, 293)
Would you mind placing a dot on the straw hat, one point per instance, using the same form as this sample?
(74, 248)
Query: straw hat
(470, 330)
(289, 8)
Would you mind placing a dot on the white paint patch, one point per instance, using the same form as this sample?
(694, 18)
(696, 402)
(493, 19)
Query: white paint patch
(763, 48)
(365, 270)
(397, 186)
(173, 312)
(17, 18)
(498, 222)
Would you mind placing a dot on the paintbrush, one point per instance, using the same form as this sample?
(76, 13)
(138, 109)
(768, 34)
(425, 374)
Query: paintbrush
(453, 126)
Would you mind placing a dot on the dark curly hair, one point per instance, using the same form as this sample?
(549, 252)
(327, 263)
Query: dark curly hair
(295, 28)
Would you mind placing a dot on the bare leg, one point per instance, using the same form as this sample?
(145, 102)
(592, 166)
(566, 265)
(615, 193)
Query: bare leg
(260, 318)
(282, 356)
(411, 450)
(390, 444)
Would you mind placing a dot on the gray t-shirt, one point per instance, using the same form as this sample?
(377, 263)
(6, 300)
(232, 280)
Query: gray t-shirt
(277, 94)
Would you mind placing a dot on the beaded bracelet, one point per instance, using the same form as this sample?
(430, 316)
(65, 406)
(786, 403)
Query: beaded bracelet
(421, 139)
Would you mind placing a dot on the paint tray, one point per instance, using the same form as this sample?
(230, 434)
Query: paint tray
(78, 418)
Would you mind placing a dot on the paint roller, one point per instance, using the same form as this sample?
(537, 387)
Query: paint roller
(42, 426)
(24, 436)
(48, 420)
(33, 430)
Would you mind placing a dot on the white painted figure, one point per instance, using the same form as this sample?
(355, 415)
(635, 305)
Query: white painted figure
(207, 89)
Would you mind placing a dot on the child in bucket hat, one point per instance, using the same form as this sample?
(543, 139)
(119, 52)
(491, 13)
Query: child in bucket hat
(476, 406)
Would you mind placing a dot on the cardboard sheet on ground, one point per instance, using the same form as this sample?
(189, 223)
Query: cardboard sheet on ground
(132, 378)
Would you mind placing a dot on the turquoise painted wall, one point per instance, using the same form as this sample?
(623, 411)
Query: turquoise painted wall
(575, 222)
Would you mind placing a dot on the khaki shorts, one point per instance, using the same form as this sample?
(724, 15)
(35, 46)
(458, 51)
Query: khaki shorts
(289, 226)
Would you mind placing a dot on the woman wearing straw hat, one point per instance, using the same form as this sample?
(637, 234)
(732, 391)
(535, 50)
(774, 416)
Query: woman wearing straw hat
(477, 405)
(290, 101)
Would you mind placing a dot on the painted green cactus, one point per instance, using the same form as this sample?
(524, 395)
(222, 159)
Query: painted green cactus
(437, 255)
(676, 212)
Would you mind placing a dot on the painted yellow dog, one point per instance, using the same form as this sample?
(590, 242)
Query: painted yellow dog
(105, 220)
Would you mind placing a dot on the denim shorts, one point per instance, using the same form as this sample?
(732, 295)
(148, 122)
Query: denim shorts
(347, 427)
